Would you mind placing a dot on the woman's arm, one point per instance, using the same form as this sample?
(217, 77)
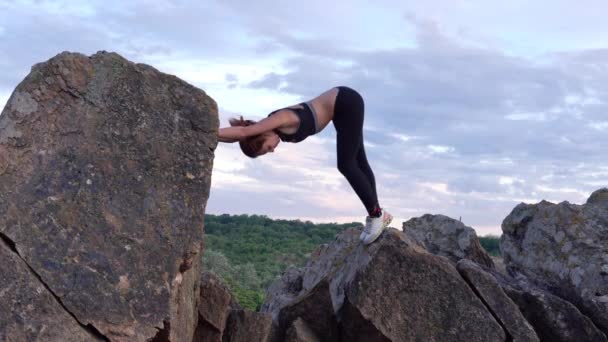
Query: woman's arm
(231, 134)
(237, 133)
(279, 119)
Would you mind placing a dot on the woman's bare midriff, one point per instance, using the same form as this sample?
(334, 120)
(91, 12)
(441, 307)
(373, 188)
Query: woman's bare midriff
(324, 106)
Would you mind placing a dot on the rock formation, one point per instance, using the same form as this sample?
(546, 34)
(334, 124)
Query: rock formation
(435, 282)
(445, 236)
(222, 319)
(553, 318)
(564, 249)
(105, 169)
(504, 310)
(391, 290)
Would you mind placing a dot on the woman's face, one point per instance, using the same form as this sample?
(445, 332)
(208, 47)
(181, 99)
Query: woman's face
(271, 140)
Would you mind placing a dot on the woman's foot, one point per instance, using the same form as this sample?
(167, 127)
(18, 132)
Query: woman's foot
(374, 226)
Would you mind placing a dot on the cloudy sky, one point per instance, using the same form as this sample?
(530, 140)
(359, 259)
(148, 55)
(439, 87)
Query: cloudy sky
(471, 106)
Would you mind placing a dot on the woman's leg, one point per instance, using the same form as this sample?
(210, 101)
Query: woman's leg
(352, 163)
(364, 166)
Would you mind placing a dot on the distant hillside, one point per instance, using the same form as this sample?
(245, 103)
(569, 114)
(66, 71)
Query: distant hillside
(250, 251)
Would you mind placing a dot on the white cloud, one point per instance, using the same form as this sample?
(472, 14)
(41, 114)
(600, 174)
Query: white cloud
(527, 116)
(401, 137)
(440, 149)
(505, 161)
(438, 187)
(502, 180)
(600, 126)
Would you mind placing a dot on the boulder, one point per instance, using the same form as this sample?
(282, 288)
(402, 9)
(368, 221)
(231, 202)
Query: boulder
(283, 292)
(599, 198)
(563, 248)
(215, 301)
(553, 318)
(105, 170)
(393, 290)
(442, 235)
(316, 309)
(248, 326)
(502, 307)
(221, 319)
(214, 308)
(299, 331)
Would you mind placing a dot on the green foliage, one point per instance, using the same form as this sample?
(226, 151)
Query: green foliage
(217, 262)
(250, 251)
(242, 280)
(248, 298)
(491, 243)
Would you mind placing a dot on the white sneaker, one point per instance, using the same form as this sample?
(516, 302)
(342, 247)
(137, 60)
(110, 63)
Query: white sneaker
(374, 226)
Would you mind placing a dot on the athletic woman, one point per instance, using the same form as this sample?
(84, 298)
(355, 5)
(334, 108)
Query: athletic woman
(345, 108)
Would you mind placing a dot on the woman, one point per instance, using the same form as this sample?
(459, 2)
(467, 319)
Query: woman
(345, 107)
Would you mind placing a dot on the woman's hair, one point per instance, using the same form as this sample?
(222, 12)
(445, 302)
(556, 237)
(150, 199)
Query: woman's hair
(250, 145)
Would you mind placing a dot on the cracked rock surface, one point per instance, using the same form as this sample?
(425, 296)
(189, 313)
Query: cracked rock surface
(105, 169)
(34, 313)
(563, 247)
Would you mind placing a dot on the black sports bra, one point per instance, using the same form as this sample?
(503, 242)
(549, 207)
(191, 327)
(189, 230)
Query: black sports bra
(308, 123)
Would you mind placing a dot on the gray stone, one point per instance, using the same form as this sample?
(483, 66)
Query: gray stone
(248, 326)
(553, 318)
(445, 236)
(599, 198)
(395, 290)
(299, 331)
(29, 311)
(316, 308)
(215, 299)
(284, 291)
(564, 248)
(104, 178)
(502, 307)
(222, 319)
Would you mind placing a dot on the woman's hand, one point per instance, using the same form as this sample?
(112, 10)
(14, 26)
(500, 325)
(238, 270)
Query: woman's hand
(241, 129)
(236, 122)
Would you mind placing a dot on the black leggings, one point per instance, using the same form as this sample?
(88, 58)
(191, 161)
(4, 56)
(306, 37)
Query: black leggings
(352, 163)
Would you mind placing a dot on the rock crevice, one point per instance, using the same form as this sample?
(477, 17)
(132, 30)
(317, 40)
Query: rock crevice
(508, 335)
(90, 328)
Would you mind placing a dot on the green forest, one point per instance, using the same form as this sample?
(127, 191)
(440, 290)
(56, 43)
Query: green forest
(250, 251)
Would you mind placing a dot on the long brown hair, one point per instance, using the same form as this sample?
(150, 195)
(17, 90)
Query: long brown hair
(250, 146)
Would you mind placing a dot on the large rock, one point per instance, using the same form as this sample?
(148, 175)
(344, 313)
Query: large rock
(443, 235)
(502, 307)
(248, 326)
(221, 318)
(214, 308)
(553, 318)
(563, 247)
(299, 331)
(391, 290)
(105, 169)
(316, 309)
(283, 292)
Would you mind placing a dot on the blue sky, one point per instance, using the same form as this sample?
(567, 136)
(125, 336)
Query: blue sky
(471, 106)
